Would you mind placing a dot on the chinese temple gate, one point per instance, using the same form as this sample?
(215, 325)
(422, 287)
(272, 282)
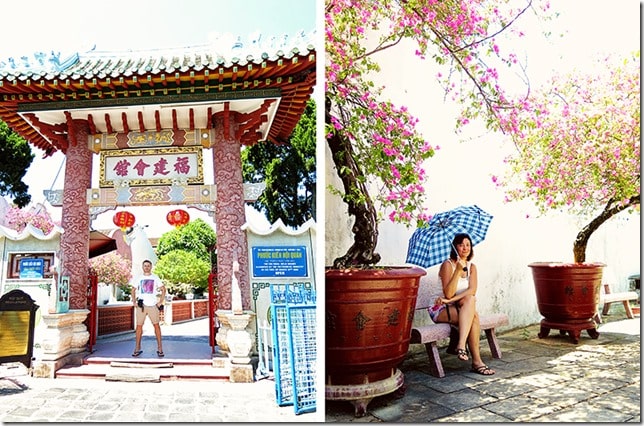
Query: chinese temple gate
(147, 115)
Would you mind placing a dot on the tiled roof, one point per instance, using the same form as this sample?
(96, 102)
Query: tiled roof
(227, 69)
(225, 51)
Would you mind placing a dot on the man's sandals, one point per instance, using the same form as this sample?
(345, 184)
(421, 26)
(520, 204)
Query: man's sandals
(483, 370)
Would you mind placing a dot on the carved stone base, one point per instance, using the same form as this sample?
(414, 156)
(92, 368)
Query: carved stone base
(235, 337)
(47, 369)
(64, 342)
(241, 373)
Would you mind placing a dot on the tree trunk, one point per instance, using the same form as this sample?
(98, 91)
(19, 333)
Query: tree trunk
(365, 230)
(611, 209)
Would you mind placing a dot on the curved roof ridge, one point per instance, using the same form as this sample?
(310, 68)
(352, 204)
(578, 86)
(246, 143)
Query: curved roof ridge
(279, 225)
(224, 49)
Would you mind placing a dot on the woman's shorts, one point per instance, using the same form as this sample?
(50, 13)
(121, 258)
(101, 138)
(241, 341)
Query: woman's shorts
(435, 311)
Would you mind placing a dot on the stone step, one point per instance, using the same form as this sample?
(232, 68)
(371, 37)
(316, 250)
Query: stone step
(146, 361)
(143, 372)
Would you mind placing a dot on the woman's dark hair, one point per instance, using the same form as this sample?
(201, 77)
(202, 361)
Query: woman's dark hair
(458, 238)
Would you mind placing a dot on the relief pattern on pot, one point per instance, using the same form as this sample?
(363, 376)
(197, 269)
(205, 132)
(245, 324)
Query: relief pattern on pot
(361, 321)
(394, 318)
(331, 320)
(570, 292)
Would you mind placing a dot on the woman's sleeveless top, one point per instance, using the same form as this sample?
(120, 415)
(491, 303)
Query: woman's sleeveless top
(463, 282)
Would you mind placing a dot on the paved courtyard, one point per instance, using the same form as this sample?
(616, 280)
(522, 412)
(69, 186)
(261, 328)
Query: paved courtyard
(537, 380)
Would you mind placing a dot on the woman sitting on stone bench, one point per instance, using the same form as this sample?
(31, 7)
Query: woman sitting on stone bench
(458, 306)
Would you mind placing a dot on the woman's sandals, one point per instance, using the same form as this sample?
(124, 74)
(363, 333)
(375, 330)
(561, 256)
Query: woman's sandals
(483, 370)
(462, 354)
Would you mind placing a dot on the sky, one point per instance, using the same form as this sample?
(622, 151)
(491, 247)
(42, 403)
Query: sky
(69, 26)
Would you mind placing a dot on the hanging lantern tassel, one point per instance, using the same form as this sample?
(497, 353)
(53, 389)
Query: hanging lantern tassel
(178, 218)
(124, 220)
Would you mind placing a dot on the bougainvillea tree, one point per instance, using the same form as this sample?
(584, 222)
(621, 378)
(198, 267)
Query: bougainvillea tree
(374, 143)
(18, 219)
(578, 145)
(112, 268)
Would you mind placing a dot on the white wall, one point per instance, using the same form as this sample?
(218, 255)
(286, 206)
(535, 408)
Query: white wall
(460, 174)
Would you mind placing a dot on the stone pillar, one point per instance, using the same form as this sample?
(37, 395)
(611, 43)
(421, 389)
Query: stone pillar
(64, 342)
(230, 214)
(75, 221)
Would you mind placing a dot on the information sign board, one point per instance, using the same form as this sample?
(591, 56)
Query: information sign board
(32, 268)
(279, 261)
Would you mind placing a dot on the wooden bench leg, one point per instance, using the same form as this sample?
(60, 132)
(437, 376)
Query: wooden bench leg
(493, 342)
(606, 307)
(435, 365)
(627, 308)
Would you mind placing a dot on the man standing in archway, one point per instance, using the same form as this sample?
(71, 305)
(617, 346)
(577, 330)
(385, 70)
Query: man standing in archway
(147, 291)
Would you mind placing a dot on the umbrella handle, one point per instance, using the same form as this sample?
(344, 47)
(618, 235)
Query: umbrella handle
(458, 257)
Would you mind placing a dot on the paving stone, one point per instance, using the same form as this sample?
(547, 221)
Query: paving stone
(464, 400)
(563, 394)
(585, 412)
(551, 379)
(521, 409)
(475, 415)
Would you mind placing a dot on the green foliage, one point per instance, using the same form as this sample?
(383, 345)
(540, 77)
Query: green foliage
(182, 271)
(15, 159)
(288, 171)
(196, 237)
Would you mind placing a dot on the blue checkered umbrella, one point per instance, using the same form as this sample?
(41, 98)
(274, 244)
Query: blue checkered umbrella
(431, 244)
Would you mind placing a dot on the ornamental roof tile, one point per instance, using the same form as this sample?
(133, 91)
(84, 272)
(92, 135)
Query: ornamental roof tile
(39, 94)
(224, 51)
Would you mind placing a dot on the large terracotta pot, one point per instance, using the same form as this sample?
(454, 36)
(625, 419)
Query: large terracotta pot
(368, 327)
(567, 296)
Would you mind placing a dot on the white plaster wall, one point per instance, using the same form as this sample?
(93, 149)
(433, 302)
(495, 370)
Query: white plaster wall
(460, 174)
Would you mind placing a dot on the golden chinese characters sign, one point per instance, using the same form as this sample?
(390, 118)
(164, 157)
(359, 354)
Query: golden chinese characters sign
(156, 166)
(17, 323)
(14, 333)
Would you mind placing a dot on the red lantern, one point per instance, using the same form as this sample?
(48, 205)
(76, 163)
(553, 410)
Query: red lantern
(178, 218)
(124, 220)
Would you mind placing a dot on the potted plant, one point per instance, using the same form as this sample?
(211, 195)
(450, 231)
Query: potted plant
(578, 143)
(379, 156)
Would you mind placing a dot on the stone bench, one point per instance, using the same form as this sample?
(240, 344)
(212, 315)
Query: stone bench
(607, 297)
(430, 333)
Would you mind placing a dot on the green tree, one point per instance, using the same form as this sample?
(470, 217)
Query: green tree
(182, 271)
(196, 237)
(288, 171)
(15, 159)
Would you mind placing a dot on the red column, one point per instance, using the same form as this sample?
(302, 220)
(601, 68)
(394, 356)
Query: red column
(74, 242)
(230, 214)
